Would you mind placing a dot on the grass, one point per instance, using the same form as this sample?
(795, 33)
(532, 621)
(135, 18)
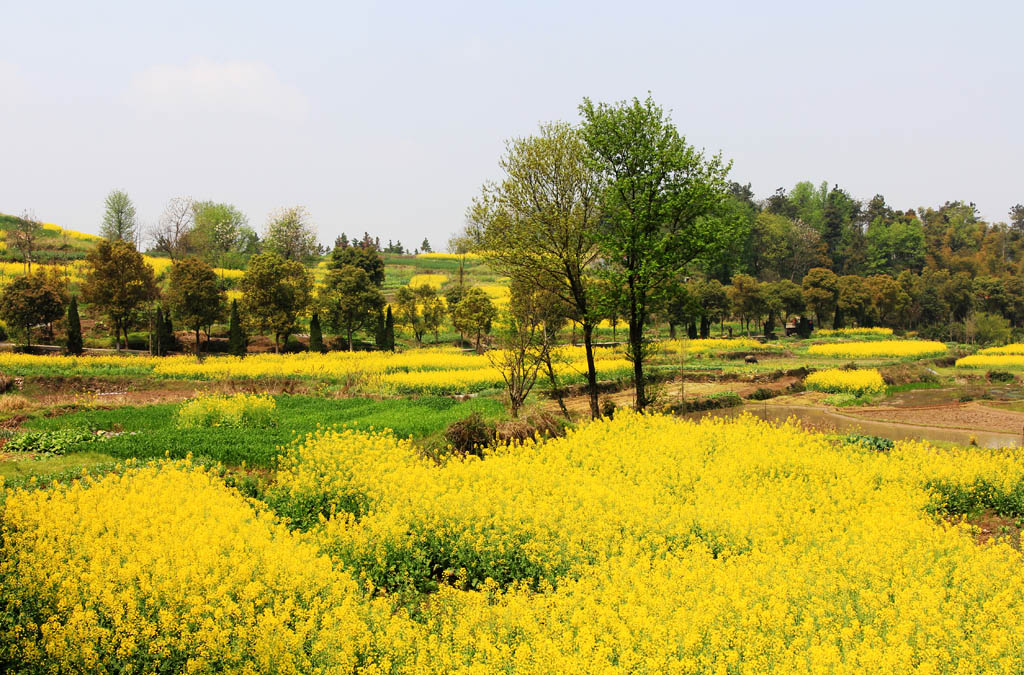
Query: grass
(149, 431)
(48, 469)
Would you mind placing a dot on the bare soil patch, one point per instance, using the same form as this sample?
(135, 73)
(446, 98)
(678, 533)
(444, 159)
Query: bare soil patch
(954, 416)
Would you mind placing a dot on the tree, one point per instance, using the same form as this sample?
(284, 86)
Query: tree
(316, 337)
(522, 348)
(236, 338)
(662, 201)
(29, 301)
(173, 234)
(24, 236)
(746, 298)
(379, 336)
(365, 258)
(389, 331)
(117, 281)
(74, 343)
(275, 292)
(854, 299)
(119, 222)
(538, 225)
(474, 314)
(425, 246)
(290, 234)
(821, 292)
(420, 308)
(194, 296)
(1017, 218)
(350, 300)
(220, 229)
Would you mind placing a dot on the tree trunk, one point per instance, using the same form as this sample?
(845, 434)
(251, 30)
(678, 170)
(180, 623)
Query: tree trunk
(705, 327)
(117, 336)
(350, 339)
(588, 346)
(199, 354)
(636, 339)
(671, 330)
(691, 330)
(277, 340)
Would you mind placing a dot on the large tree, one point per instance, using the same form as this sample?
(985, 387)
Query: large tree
(117, 282)
(367, 258)
(474, 314)
(350, 300)
(538, 225)
(119, 221)
(275, 292)
(29, 301)
(194, 296)
(221, 229)
(291, 234)
(24, 236)
(663, 202)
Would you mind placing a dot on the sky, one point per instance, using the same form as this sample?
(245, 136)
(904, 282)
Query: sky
(388, 117)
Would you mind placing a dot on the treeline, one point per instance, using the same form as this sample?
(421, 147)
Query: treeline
(278, 295)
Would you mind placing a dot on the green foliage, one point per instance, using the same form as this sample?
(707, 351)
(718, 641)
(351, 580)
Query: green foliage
(389, 331)
(194, 296)
(151, 431)
(874, 443)
(241, 411)
(664, 205)
(366, 258)
(236, 337)
(119, 221)
(991, 329)
(275, 292)
(474, 313)
(117, 281)
(28, 301)
(220, 229)
(350, 300)
(379, 333)
(290, 234)
(57, 442)
(316, 338)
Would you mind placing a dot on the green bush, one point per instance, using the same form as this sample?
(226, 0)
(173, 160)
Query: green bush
(50, 442)
(240, 411)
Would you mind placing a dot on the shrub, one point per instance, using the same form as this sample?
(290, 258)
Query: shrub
(240, 410)
(469, 436)
(1000, 376)
(50, 442)
(762, 394)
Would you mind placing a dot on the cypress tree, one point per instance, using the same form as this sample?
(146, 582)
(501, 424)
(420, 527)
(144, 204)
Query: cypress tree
(378, 336)
(167, 342)
(156, 341)
(74, 345)
(316, 338)
(389, 331)
(236, 338)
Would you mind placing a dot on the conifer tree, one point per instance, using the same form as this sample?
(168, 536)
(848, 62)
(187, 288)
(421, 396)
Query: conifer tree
(156, 342)
(316, 337)
(379, 338)
(389, 331)
(74, 345)
(236, 338)
(168, 341)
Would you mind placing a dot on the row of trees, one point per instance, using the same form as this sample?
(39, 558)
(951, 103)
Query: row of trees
(277, 292)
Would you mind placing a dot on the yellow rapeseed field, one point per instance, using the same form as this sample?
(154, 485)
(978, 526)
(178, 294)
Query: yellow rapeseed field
(844, 332)
(640, 544)
(1015, 348)
(998, 360)
(435, 281)
(836, 381)
(879, 349)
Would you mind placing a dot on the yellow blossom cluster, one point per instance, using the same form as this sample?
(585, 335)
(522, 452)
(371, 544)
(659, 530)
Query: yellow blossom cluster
(449, 256)
(434, 281)
(1003, 360)
(837, 381)
(650, 544)
(165, 569)
(1015, 348)
(240, 410)
(845, 332)
(710, 345)
(879, 349)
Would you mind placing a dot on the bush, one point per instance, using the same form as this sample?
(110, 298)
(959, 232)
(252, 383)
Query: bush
(990, 329)
(50, 442)
(762, 394)
(1000, 376)
(876, 443)
(470, 435)
(240, 410)
(726, 399)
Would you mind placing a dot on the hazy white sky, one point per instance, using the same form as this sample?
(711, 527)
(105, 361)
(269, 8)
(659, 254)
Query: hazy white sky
(386, 117)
